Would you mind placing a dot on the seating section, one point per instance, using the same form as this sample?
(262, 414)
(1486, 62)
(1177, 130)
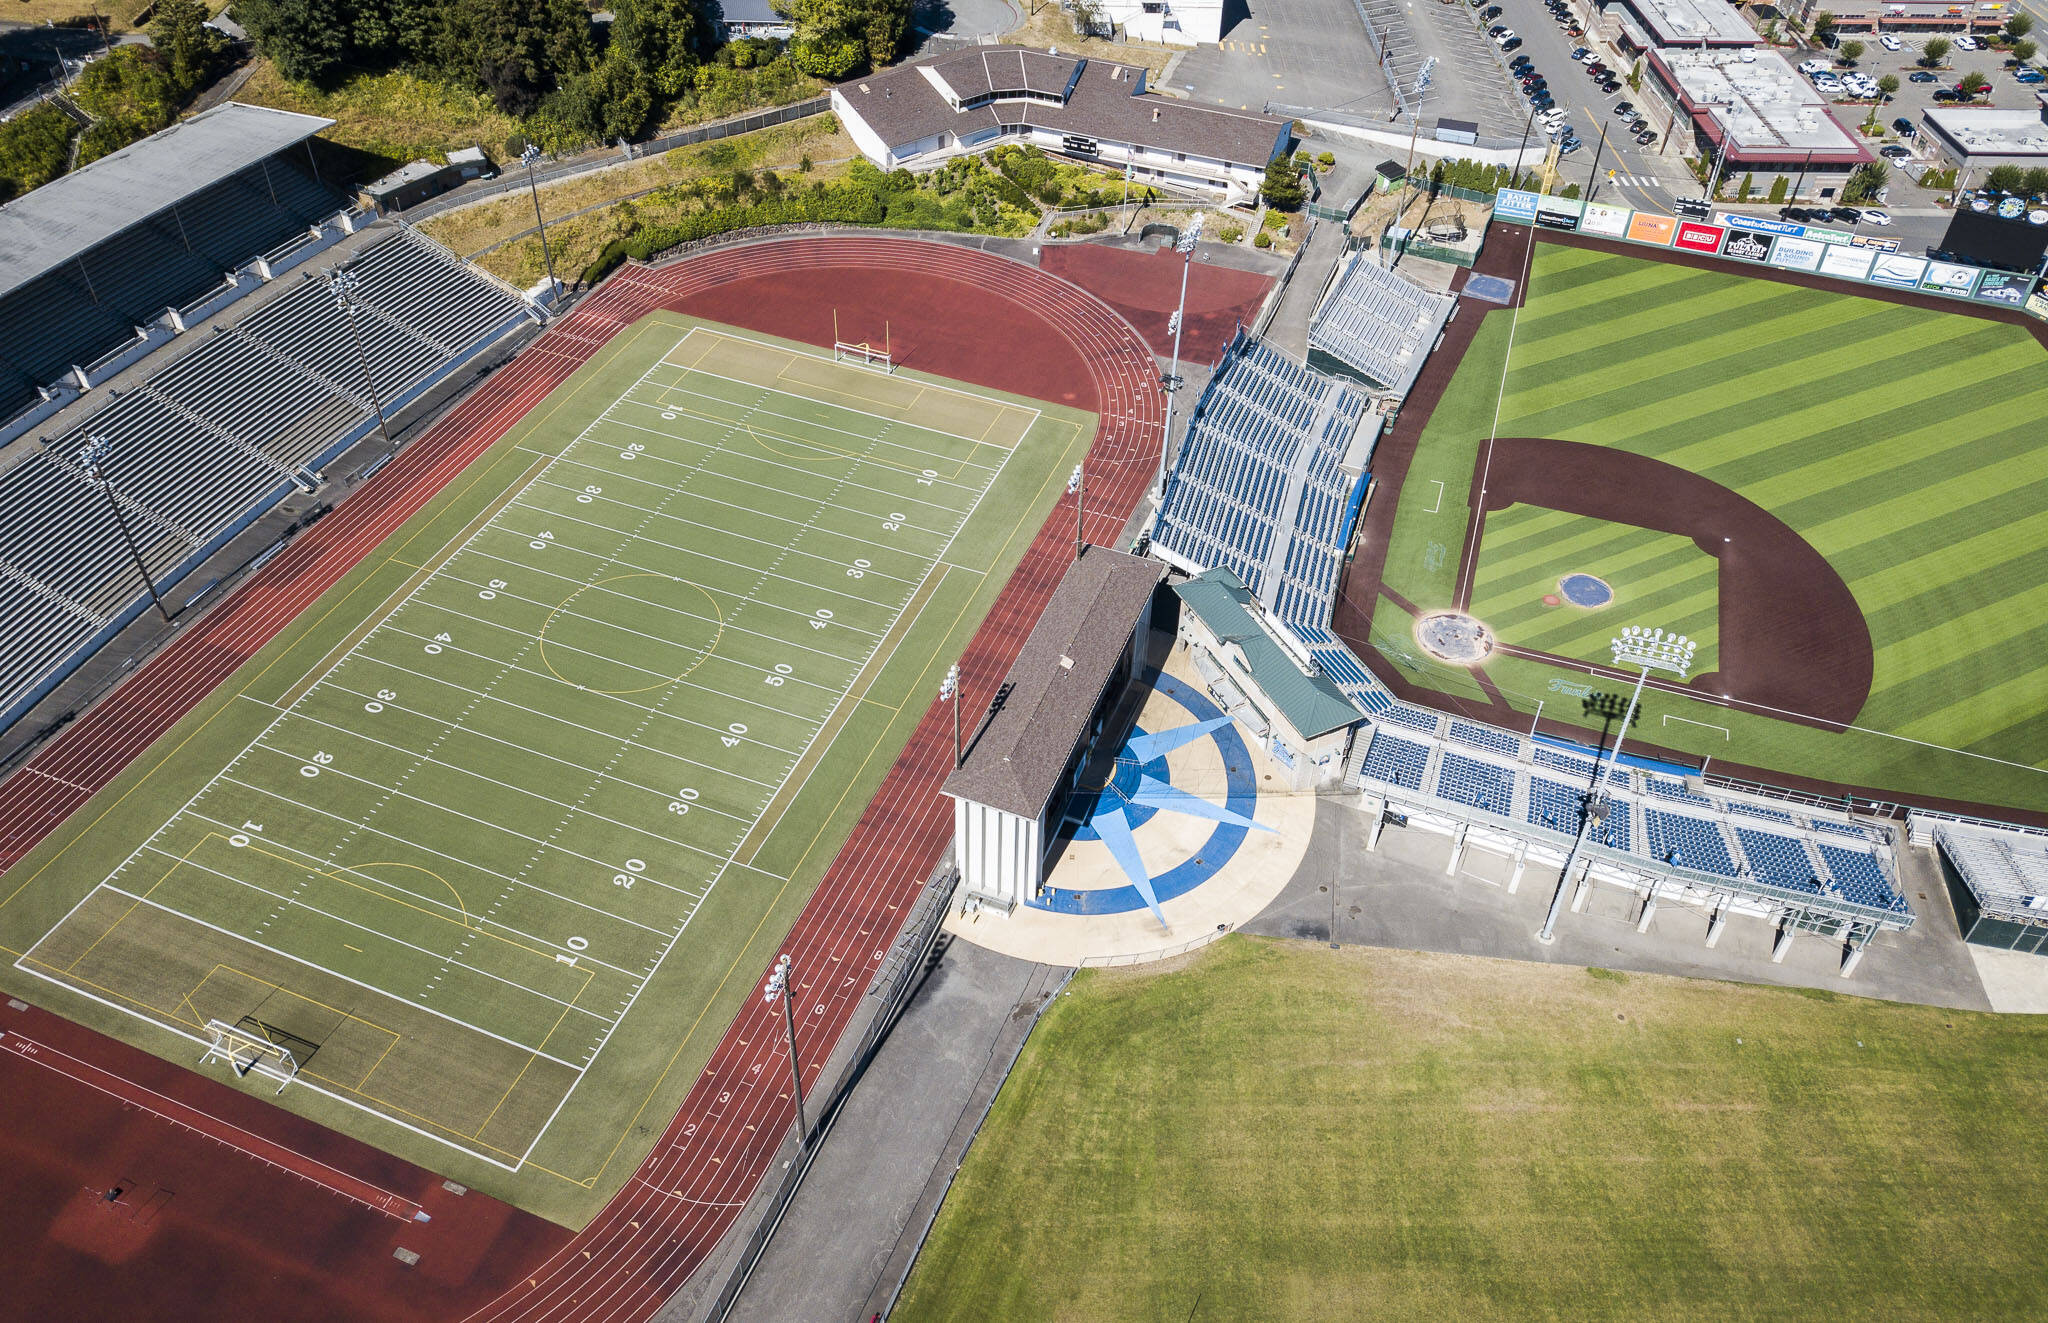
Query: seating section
(1481, 785)
(1779, 860)
(1688, 842)
(1485, 737)
(1396, 761)
(88, 307)
(1558, 807)
(1563, 762)
(1378, 324)
(1859, 877)
(213, 437)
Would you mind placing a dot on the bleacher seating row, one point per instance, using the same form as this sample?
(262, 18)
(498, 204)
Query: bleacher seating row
(1378, 324)
(1468, 773)
(90, 306)
(214, 438)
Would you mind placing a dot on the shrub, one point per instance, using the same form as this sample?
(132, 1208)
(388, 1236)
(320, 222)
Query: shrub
(1263, 239)
(1748, 185)
(1328, 160)
(33, 146)
(1230, 233)
(1779, 188)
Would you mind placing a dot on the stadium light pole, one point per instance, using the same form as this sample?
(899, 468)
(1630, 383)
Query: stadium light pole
(344, 284)
(528, 158)
(92, 458)
(1648, 650)
(778, 989)
(949, 692)
(1077, 487)
(1186, 246)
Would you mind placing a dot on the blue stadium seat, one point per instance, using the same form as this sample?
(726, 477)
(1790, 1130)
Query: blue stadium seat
(1480, 785)
(1401, 762)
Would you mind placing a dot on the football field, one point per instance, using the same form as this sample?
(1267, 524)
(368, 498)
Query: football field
(547, 795)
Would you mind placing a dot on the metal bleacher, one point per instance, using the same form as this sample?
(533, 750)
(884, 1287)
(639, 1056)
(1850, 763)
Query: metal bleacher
(205, 445)
(1377, 324)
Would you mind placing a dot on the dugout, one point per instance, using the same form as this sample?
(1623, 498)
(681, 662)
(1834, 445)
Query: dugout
(1055, 709)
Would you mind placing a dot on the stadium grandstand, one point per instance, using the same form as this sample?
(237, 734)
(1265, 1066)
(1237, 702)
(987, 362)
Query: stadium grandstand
(1997, 875)
(97, 265)
(203, 446)
(1377, 326)
(1269, 484)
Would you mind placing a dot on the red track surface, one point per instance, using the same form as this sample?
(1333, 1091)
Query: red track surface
(952, 311)
(1145, 288)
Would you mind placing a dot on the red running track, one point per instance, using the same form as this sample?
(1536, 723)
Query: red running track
(1145, 288)
(952, 311)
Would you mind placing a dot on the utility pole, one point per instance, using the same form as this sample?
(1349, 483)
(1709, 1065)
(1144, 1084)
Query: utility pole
(1185, 245)
(529, 158)
(1593, 175)
(778, 988)
(92, 458)
(1527, 125)
(344, 284)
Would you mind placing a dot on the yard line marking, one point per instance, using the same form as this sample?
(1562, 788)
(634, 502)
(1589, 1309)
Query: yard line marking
(764, 436)
(712, 448)
(754, 511)
(884, 492)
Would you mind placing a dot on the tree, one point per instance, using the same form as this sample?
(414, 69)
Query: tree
(1282, 188)
(1887, 84)
(516, 50)
(1852, 51)
(191, 50)
(662, 37)
(1973, 83)
(33, 148)
(2005, 179)
(2019, 25)
(877, 27)
(1934, 52)
(305, 39)
(1823, 24)
(2022, 51)
(1865, 181)
(1778, 186)
(2035, 181)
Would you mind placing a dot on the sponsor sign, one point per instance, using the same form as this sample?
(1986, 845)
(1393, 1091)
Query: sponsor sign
(1645, 228)
(1898, 272)
(2003, 287)
(2037, 305)
(1759, 224)
(1797, 254)
(1556, 220)
(1948, 278)
(1849, 263)
(1603, 219)
(1699, 238)
(1514, 204)
(1748, 247)
(1827, 236)
(1881, 245)
(2011, 208)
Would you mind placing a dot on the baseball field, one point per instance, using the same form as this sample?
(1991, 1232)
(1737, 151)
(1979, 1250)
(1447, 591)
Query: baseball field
(1281, 1131)
(477, 858)
(1839, 495)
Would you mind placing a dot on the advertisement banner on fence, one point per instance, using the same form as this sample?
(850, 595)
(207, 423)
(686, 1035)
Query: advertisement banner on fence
(1514, 204)
(1645, 228)
(1603, 219)
(1898, 272)
(1558, 213)
(1797, 254)
(2037, 305)
(1949, 278)
(1849, 263)
(1759, 224)
(1746, 246)
(2003, 287)
(1881, 245)
(1819, 235)
(1699, 238)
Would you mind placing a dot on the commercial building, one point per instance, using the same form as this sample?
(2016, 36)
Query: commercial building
(1690, 24)
(1927, 16)
(1169, 22)
(1753, 114)
(1094, 110)
(1979, 137)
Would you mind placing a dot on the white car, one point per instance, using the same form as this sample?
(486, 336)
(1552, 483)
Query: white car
(1889, 42)
(1876, 218)
(1504, 38)
(1967, 43)
(1812, 67)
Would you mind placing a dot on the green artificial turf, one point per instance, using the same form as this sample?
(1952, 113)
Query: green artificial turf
(484, 836)
(1903, 443)
(1277, 1131)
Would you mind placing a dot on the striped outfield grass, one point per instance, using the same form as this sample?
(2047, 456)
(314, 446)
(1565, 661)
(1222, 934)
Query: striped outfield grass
(1903, 443)
(1526, 549)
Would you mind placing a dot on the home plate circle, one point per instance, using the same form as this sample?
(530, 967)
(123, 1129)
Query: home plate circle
(1453, 636)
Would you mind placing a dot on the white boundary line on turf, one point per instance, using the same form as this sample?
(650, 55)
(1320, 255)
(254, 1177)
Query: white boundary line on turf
(675, 412)
(798, 470)
(736, 480)
(746, 511)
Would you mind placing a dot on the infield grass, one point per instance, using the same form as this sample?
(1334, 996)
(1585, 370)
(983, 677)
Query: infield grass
(488, 835)
(1903, 443)
(1279, 1131)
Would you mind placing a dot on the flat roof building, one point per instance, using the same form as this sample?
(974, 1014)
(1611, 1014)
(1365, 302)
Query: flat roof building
(1691, 24)
(1753, 110)
(1980, 136)
(1921, 15)
(1094, 110)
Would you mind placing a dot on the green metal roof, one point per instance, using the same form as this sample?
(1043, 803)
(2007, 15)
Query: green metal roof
(1312, 704)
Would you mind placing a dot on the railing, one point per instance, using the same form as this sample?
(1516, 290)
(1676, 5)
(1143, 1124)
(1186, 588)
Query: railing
(1164, 953)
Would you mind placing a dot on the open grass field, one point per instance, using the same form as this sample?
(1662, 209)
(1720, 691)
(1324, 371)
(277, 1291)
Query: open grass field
(1277, 1131)
(486, 841)
(1901, 443)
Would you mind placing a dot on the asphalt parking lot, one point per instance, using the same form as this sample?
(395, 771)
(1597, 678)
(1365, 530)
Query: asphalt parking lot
(1914, 98)
(1299, 52)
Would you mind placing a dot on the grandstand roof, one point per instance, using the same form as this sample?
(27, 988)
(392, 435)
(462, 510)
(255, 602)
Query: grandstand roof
(73, 213)
(1379, 324)
(1049, 697)
(1312, 704)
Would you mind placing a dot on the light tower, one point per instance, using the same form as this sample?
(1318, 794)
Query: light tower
(343, 284)
(1077, 487)
(92, 459)
(778, 989)
(1185, 246)
(1648, 650)
(529, 158)
(949, 692)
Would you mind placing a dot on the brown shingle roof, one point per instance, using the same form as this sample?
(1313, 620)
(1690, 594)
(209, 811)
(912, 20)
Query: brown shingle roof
(1058, 678)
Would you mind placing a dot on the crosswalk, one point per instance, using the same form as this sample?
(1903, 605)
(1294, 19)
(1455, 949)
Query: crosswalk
(1247, 47)
(1636, 181)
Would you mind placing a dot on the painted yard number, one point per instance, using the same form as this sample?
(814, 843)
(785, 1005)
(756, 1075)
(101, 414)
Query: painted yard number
(782, 672)
(633, 451)
(435, 646)
(541, 540)
(320, 760)
(684, 798)
(383, 696)
(625, 879)
(490, 594)
(821, 617)
(583, 497)
(894, 523)
(859, 569)
(926, 480)
(732, 741)
(241, 838)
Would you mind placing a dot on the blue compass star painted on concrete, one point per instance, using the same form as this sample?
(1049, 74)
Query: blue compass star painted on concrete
(1142, 786)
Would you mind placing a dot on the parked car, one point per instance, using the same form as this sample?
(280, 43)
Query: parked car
(1812, 67)
(1966, 42)
(1623, 109)
(1894, 153)
(1610, 86)
(2028, 74)
(1581, 53)
(1793, 213)
(1646, 137)
(1921, 76)
(1511, 44)
(1904, 128)
(1567, 147)
(1490, 12)
(1875, 218)
(1889, 42)
(1520, 62)
(1821, 215)
(1496, 29)
(1850, 214)
(1948, 96)
(1638, 125)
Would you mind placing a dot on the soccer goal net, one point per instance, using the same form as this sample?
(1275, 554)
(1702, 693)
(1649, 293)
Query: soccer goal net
(250, 1048)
